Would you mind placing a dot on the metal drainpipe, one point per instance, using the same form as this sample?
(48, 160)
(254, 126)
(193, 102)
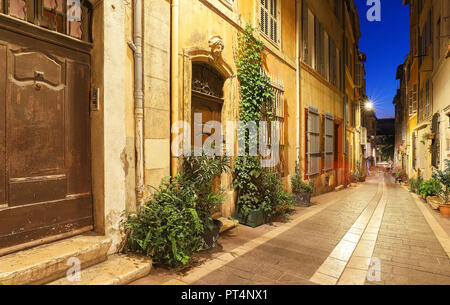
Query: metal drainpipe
(299, 17)
(174, 102)
(136, 46)
(344, 90)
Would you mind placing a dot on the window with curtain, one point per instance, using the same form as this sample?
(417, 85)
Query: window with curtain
(69, 17)
(270, 19)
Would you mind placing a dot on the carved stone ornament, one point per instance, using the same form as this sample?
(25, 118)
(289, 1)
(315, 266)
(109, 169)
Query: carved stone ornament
(216, 44)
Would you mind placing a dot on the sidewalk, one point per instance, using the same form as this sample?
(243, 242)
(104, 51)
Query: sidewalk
(338, 240)
(286, 259)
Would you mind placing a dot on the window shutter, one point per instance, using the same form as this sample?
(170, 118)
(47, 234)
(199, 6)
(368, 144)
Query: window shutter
(313, 136)
(305, 32)
(269, 19)
(328, 142)
(264, 17)
(435, 146)
(414, 150)
(364, 136)
(316, 44)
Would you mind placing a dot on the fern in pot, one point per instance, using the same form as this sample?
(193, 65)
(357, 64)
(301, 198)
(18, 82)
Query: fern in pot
(202, 173)
(167, 228)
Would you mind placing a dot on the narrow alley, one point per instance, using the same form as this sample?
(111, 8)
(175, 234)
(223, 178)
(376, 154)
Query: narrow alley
(342, 239)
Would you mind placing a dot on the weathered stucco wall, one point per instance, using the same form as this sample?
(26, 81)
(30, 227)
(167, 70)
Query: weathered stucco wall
(156, 54)
(112, 126)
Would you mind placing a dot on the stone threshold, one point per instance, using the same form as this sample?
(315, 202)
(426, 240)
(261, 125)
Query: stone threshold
(53, 262)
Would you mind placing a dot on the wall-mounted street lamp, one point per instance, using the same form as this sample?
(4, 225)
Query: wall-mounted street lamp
(369, 105)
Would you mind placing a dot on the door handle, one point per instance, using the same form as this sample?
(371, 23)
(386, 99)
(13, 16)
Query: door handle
(38, 77)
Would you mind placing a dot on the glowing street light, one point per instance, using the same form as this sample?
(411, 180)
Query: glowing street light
(369, 105)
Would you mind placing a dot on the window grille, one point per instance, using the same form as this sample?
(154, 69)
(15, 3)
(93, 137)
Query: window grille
(278, 115)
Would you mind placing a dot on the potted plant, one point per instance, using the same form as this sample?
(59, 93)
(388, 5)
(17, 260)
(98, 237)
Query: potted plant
(429, 190)
(202, 173)
(302, 190)
(250, 209)
(264, 198)
(414, 184)
(443, 177)
(400, 176)
(362, 177)
(167, 228)
(360, 174)
(428, 136)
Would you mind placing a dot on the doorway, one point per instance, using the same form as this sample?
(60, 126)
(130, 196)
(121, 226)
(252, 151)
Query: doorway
(45, 161)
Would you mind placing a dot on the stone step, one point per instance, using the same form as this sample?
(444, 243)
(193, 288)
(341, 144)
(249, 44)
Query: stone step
(118, 269)
(46, 263)
(228, 224)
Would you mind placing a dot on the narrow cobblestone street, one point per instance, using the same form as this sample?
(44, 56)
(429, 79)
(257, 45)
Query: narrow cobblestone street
(339, 240)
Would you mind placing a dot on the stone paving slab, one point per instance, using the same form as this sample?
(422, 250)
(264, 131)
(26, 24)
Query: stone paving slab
(407, 247)
(300, 251)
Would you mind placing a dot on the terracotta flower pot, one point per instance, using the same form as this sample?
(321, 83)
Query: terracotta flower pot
(445, 210)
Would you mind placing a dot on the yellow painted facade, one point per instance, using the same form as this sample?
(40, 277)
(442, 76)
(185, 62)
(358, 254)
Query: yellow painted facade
(427, 92)
(145, 61)
(183, 39)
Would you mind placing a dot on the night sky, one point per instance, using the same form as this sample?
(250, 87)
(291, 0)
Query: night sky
(386, 44)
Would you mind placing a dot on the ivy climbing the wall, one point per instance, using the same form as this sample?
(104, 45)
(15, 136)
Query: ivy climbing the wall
(250, 180)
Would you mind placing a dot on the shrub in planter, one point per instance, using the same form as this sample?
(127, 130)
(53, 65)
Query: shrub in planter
(260, 193)
(247, 176)
(302, 190)
(273, 195)
(413, 185)
(168, 227)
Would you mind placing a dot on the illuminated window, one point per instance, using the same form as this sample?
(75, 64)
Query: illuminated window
(70, 17)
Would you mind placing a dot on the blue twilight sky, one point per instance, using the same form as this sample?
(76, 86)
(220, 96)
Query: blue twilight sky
(386, 44)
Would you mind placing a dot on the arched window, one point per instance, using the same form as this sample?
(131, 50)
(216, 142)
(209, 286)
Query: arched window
(206, 80)
(69, 17)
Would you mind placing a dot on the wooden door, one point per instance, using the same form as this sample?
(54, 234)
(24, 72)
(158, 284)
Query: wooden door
(210, 109)
(45, 175)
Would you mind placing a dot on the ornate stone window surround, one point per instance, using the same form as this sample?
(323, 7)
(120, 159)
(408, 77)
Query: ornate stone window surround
(230, 109)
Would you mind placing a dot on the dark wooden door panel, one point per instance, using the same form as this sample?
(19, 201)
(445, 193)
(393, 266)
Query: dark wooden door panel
(78, 134)
(2, 125)
(35, 121)
(28, 223)
(45, 176)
